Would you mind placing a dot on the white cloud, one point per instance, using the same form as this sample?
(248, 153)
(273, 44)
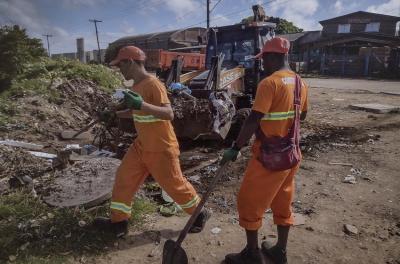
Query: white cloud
(80, 3)
(391, 7)
(182, 7)
(300, 13)
(220, 20)
(338, 7)
(26, 14)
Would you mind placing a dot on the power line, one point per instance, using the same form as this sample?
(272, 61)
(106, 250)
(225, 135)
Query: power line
(48, 43)
(226, 15)
(212, 9)
(95, 21)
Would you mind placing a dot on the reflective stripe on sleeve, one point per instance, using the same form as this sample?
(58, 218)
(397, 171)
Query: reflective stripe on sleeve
(278, 116)
(145, 118)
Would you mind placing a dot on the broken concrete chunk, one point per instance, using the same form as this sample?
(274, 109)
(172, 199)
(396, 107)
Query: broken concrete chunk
(350, 229)
(20, 144)
(376, 108)
(72, 147)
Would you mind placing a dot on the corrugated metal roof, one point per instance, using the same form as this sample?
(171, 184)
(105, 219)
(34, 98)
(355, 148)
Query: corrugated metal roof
(292, 36)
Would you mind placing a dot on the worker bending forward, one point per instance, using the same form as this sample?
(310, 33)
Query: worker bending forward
(155, 151)
(273, 116)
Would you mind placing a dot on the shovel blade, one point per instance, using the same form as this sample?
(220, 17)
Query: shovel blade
(174, 253)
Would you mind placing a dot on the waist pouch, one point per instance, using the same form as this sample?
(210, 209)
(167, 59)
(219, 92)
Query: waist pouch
(282, 153)
(278, 153)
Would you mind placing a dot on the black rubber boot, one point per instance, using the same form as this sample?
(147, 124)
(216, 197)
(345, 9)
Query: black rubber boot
(119, 229)
(276, 254)
(247, 256)
(200, 222)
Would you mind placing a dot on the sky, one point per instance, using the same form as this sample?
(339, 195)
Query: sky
(67, 20)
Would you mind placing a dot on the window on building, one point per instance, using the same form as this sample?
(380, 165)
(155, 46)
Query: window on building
(397, 33)
(343, 28)
(372, 27)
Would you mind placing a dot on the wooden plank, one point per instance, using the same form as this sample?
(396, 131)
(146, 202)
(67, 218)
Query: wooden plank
(189, 76)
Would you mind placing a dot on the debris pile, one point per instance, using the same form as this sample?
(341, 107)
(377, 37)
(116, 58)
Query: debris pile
(83, 97)
(19, 163)
(71, 105)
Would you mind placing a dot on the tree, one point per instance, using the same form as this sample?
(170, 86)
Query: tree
(16, 49)
(282, 25)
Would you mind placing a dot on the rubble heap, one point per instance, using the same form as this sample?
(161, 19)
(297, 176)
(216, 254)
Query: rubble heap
(18, 163)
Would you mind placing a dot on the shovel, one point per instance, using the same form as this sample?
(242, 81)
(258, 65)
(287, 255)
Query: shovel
(173, 253)
(68, 135)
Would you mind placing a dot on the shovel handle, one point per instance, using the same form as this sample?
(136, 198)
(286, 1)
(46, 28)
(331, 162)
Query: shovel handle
(92, 123)
(196, 213)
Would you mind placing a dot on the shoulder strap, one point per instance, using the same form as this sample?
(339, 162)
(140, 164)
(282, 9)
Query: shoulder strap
(294, 130)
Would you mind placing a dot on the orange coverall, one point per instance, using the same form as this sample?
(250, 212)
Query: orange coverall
(155, 152)
(261, 188)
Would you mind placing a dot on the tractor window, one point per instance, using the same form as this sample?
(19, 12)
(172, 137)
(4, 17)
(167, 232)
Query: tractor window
(244, 52)
(239, 52)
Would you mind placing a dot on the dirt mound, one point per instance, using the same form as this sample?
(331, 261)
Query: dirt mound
(74, 104)
(83, 96)
(18, 163)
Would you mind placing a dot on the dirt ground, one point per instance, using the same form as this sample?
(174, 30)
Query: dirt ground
(332, 133)
(367, 141)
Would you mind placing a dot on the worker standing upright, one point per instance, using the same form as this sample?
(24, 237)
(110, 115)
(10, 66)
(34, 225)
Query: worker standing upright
(280, 103)
(155, 151)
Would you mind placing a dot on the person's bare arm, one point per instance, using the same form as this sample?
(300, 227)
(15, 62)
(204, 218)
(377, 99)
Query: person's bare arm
(163, 112)
(249, 128)
(127, 113)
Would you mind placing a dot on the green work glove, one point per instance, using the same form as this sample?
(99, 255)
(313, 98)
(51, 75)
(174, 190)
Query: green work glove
(229, 155)
(106, 116)
(133, 100)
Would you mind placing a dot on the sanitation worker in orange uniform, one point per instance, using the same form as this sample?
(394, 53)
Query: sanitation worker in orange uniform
(273, 114)
(155, 151)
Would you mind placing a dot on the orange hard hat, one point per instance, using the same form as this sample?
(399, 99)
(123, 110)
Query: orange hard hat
(129, 52)
(275, 45)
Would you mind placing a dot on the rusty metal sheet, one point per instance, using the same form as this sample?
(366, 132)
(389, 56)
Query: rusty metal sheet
(87, 183)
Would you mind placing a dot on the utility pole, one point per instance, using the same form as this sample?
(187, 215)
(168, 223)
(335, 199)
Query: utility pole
(95, 21)
(208, 14)
(48, 43)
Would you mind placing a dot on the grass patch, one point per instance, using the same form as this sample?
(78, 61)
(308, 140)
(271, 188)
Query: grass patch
(35, 233)
(37, 78)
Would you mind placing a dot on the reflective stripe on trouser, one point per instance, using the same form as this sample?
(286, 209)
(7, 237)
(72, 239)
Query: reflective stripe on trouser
(165, 169)
(262, 189)
(278, 116)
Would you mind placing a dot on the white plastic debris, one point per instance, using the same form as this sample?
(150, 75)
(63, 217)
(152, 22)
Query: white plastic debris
(350, 179)
(216, 230)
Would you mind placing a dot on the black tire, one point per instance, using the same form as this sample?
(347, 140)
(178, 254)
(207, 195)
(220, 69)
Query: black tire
(237, 123)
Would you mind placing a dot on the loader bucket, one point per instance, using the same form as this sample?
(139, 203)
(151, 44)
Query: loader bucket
(203, 118)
